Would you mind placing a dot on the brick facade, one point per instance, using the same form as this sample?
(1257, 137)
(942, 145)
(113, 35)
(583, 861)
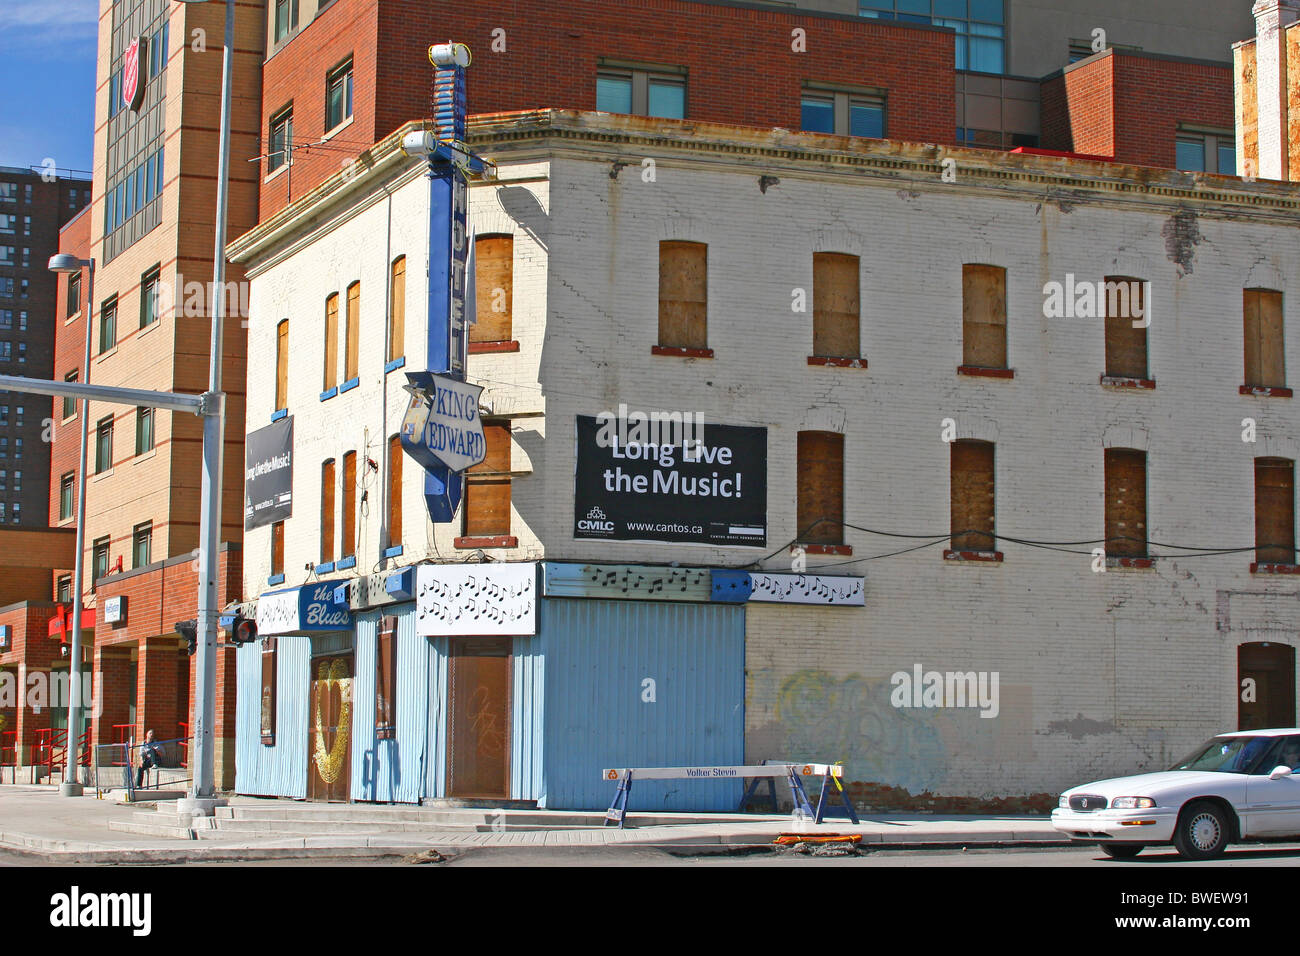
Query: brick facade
(740, 63)
(1130, 106)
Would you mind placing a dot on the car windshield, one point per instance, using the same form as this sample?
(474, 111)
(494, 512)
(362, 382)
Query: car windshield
(1226, 755)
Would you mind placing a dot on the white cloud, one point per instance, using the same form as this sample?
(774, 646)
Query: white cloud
(42, 15)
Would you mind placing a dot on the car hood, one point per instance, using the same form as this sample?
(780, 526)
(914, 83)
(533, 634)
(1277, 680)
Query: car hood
(1165, 783)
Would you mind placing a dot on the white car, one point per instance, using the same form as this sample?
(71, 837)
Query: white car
(1237, 786)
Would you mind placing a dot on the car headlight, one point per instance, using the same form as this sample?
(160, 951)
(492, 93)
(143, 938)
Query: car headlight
(1064, 801)
(1132, 803)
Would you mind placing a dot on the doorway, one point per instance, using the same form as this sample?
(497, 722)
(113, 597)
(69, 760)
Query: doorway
(1265, 686)
(329, 729)
(478, 731)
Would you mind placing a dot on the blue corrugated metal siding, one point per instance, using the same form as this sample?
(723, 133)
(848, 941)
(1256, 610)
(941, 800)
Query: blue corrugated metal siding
(526, 720)
(279, 771)
(436, 783)
(390, 771)
(597, 655)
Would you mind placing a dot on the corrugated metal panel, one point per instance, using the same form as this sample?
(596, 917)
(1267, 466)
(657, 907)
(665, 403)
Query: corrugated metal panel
(390, 771)
(598, 653)
(526, 722)
(436, 783)
(281, 770)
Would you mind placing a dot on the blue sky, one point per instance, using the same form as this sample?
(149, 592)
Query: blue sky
(47, 70)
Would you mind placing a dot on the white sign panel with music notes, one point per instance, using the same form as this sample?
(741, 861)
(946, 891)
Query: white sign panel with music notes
(807, 589)
(476, 600)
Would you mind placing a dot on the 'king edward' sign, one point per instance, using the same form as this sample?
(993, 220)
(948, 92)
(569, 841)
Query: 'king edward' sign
(442, 424)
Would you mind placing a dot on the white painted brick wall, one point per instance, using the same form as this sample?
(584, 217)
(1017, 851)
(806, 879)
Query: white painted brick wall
(1100, 674)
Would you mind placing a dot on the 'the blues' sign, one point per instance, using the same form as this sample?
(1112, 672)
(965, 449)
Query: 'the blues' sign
(298, 610)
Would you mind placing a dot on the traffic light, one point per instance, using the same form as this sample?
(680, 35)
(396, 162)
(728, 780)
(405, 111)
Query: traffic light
(190, 631)
(243, 630)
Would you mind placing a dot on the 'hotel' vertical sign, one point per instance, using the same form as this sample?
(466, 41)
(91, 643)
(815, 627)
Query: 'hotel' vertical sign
(448, 251)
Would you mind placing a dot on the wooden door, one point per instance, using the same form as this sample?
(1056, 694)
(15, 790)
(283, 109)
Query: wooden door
(329, 729)
(1265, 686)
(478, 751)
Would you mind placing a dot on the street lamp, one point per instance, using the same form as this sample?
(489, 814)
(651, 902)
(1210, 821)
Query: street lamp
(66, 264)
(202, 790)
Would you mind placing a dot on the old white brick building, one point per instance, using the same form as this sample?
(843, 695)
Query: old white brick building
(1099, 672)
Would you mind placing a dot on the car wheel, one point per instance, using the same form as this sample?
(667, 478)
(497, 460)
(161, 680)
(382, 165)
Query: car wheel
(1202, 831)
(1122, 851)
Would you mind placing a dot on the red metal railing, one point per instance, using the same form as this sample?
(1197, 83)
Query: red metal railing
(50, 748)
(121, 737)
(9, 748)
(184, 743)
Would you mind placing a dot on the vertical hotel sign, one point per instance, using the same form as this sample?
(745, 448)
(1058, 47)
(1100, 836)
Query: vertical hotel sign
(448, 272)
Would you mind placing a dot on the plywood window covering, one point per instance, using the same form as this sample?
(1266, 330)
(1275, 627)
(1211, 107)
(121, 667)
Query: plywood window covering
(327, 512)
(277, 548)
(282, 365)
(331, 343)
(395, 490)
(487, 490)
(1274, 511)
(1126, 503)
(268, 695)
(683, 294)
(494, 265)
(386, 680)
(397, 310)
(837, 305)
(974, 495)
(353, 345)
(1126, 347)
(349, 504)
(984, 316)
(1262, 313)
(820, 507)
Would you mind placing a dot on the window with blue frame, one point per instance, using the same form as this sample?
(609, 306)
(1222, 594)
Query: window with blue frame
(980, 26)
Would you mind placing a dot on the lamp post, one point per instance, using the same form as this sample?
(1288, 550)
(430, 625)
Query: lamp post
(214, 426)
(69, 265)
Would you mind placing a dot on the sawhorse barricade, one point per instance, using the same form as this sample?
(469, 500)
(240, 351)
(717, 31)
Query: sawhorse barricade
(830, 774)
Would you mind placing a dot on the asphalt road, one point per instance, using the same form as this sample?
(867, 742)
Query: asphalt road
(1254, 855)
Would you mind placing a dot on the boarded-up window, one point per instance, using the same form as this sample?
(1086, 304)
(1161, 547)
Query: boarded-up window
(349, 542)
(1126, 503)
(1124, 299)
(487, 489)
(1262, 315)
(386, 680)
(277, 548)
(984, 316)
(820, 508)
(331, 343)
(837, 305)
(327, 512)
(268, 695)
(494, 264)
(353, 346)
(683, 294)
(395, 490)
(1274, 511)
(282, 365)
(974, 495)
(397, 310)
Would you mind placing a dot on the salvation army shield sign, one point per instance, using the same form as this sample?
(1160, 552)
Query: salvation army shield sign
(442, 424)
(133, 75)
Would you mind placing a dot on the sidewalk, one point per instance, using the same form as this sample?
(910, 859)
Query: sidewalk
(36, 821)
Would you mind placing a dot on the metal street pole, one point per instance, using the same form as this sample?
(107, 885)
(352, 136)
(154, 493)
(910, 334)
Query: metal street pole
(71, 786)
(205, 676)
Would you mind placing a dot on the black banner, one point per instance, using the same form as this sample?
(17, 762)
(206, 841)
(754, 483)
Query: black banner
(268, 474)
(652, 481)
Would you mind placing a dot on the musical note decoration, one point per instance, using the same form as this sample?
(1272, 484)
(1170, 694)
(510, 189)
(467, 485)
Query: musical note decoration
(634, 582)
(476, 600)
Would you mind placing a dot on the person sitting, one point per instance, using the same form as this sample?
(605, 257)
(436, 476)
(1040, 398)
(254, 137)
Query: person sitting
(150, 756)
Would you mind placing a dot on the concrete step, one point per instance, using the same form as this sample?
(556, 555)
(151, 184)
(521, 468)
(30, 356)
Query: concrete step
(371, 815)
(158, 828)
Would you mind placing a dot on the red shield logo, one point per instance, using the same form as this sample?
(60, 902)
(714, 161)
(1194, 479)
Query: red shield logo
(133, 75)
